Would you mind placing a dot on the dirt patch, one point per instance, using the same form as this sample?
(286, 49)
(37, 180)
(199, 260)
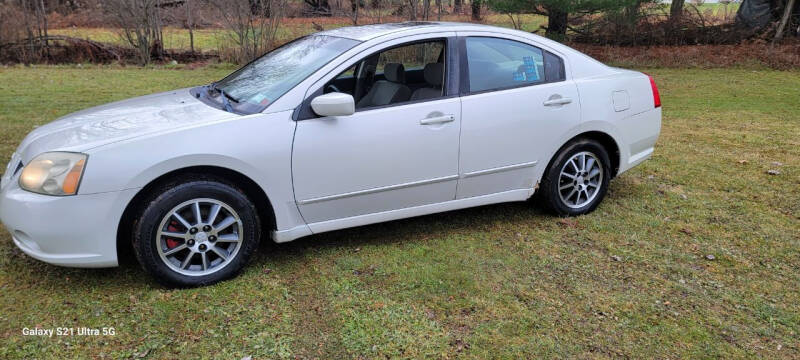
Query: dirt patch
(781, 57)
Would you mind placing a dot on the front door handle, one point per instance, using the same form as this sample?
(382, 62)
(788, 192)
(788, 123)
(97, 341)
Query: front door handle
(557, 101)
(438, 120)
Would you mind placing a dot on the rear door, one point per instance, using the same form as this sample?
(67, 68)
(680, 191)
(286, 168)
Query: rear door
(516, 103)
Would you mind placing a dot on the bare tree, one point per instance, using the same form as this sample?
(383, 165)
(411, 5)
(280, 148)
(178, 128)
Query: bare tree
(373, 9)
(787, 13)
(141, 25)
(190, 24)
(34, 19)
(476, 9)
(354, 5)
(412, 10)
(253, 32)
(516, 21)
(41, 21)
(676, 9)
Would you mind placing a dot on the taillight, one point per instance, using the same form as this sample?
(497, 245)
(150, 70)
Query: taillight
(656, 95)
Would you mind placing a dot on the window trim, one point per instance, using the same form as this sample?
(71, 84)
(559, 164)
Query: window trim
(451, 85)
(462, 47)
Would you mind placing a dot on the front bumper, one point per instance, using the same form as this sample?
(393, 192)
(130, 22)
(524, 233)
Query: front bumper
(74, 231)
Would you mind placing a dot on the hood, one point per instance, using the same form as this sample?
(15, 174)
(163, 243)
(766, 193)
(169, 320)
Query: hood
(118, 121)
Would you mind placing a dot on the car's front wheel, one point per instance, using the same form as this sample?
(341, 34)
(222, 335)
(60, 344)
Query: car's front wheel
(577, 179)
(196, 232)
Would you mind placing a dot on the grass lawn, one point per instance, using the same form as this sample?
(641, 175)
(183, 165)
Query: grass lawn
(632, 279)
(174, 38)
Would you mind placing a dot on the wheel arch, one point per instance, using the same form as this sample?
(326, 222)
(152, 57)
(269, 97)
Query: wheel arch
(606, 140)
(252, 190)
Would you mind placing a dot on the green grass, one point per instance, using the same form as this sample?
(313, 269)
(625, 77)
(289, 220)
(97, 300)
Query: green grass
(503, 281)
(175, 38)
(204, 39)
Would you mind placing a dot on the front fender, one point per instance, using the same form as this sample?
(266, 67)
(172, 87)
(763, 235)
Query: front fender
(257, 146)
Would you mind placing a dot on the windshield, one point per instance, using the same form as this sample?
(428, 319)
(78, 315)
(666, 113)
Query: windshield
(259, 83)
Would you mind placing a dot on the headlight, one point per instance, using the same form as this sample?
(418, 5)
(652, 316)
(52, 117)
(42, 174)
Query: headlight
(53, 173)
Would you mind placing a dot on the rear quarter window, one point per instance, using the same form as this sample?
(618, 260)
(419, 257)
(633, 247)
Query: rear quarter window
(553, 67)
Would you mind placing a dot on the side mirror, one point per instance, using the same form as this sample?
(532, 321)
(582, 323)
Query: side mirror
(334, 104)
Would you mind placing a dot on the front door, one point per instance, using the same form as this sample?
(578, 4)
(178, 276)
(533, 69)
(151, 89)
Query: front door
(400, 148)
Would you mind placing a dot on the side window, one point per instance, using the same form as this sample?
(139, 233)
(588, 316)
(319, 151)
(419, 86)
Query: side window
(401, 74)
(345, 82)
(500, 63)
(349, 73)
(553, 68)
(413, 57)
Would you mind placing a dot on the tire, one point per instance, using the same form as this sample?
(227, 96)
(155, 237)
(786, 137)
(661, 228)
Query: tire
(560, 199)
(216, 249)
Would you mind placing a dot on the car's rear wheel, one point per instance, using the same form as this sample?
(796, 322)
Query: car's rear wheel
(196, 233)
(577, 179)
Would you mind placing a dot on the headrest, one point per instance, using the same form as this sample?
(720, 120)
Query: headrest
(395, 72)
(433, 73)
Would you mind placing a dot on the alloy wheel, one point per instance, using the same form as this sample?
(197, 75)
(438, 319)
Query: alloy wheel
(199, 237)
(580, 180)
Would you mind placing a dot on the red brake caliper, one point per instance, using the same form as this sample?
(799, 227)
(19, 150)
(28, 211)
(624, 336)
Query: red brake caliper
(171, 243)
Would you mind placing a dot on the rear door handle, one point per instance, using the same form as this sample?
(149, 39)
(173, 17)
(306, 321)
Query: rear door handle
(557, 102)
(438, 120)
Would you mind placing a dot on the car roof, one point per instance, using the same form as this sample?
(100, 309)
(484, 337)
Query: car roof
(581, 64)
(369, 32)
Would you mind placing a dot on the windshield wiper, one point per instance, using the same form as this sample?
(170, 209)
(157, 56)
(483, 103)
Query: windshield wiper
(226, 105)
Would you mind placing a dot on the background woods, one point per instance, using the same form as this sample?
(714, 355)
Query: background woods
(695, 253)
(142, 31)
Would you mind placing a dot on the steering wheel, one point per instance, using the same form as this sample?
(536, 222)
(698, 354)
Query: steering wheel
(332, 88)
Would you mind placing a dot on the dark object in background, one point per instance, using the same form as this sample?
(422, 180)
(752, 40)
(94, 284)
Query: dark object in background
(755, 14)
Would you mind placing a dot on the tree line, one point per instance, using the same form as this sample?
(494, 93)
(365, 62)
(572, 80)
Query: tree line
(252, 25)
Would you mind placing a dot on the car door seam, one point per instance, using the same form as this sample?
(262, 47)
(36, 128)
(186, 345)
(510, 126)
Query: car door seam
(291, 174)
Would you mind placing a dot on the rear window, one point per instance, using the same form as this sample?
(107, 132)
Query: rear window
(495, 64)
